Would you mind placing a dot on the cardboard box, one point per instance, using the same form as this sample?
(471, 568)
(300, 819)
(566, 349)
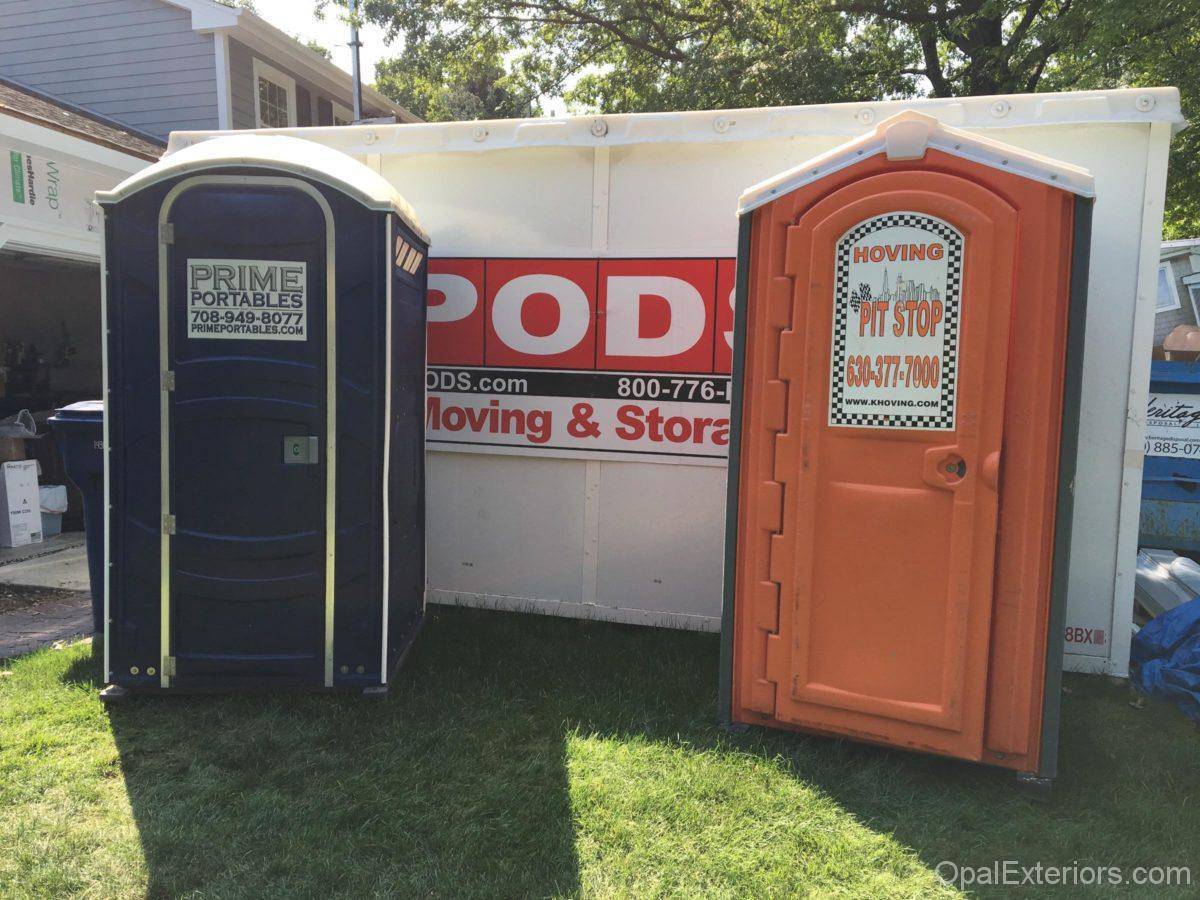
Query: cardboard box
(11, 449)
(21, 522)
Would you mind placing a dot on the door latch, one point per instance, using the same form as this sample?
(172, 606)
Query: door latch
(300, 450)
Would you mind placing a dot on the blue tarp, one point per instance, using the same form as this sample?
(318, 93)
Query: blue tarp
(1165, 658)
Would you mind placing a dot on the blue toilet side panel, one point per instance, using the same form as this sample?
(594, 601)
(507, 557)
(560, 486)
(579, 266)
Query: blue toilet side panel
(358, 613)
(131, 235)
(407, 460)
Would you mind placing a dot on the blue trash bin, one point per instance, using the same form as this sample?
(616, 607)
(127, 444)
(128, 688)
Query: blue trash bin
(79, 432)
(1170, 514)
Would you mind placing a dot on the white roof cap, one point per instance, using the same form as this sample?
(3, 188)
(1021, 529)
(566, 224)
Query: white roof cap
(280, 153)
(908, 135)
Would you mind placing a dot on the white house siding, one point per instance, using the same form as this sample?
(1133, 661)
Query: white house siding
(135, 61)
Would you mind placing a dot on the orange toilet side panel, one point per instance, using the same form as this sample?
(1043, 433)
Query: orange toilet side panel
(760, 508)
(1028, 499)
(1028, 473)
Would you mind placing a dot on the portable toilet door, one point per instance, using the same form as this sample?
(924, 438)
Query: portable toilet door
(907, 371)
(264, 309)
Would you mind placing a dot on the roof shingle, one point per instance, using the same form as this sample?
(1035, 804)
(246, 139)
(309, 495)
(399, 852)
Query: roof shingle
(34, 106)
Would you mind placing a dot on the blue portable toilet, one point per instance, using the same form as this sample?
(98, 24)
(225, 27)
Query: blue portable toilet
(264, 311)
(1170, 514)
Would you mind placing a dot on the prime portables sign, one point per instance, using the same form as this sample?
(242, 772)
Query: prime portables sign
(247, 299)
(894, 360)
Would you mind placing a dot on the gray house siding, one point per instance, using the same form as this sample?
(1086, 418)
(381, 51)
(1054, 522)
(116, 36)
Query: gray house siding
(135, 61)
(1164, 322)
(241, 79)
(241, 84)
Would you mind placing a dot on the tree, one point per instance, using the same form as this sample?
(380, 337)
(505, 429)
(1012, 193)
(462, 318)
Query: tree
(637, 55)
(1179, 64)
(1163, 50)
(646, 55)
(1005, 46)
(315, 46)
(453, 77)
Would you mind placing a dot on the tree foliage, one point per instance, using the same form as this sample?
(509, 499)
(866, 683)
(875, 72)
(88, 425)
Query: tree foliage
(484, 58)
(458, 76)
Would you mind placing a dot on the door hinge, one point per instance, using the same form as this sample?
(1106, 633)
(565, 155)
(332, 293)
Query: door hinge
(168, 524)
(168, 380)
(166, 233)
(168, 666)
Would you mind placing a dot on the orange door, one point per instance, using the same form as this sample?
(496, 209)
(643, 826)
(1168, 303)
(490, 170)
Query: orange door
(903, 290)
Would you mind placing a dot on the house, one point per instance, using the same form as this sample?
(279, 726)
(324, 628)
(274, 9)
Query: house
(1178, 300)
(170, 65)
(54, 158)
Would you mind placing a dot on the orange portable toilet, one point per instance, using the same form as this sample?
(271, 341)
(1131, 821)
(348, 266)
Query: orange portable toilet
(909, 336)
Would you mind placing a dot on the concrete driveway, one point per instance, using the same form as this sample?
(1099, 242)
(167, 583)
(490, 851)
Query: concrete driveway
(58, 562)
(44, 594)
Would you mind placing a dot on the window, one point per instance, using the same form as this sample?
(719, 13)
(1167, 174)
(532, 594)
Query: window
(1168, 297)
(330, 113)
(274, 97)
(341, 115)
(324, 112)
(303, 106)
(1192, 284)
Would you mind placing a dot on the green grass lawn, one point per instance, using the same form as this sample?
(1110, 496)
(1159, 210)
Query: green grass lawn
(528, 756)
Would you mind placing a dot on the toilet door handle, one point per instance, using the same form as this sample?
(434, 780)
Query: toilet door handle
(944, 467)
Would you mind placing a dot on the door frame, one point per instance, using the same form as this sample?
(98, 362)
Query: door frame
(989, 227)
(165, 240)
(984, 219)
(386, 584)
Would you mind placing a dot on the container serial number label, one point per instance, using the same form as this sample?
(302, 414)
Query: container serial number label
(247, 299)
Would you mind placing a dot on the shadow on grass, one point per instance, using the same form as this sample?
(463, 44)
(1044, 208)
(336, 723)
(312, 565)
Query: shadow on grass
(458, 783)
(85, 671)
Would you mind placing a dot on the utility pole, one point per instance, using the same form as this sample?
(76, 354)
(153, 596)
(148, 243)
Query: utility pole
(355, 43)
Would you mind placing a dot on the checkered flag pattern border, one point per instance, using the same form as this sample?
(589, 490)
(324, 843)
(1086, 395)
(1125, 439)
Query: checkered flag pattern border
(943, 419)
